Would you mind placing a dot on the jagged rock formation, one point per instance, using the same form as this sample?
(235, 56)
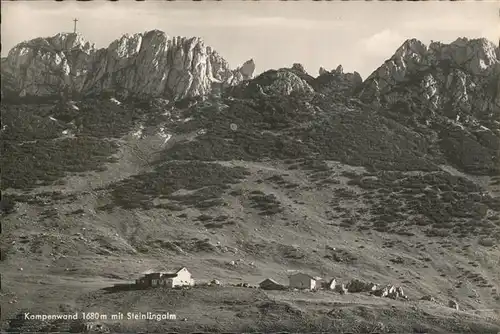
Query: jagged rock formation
(450, 93)
(246, 70)
(144, 64)
(336, 81)
(463, 76)
(295, 80)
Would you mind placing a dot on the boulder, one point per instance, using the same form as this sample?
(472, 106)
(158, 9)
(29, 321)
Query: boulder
(428, 298)
(453, 304)
(387, 291)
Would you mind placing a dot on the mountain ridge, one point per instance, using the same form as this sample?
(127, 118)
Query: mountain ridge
(72, 64)
(143, 64)
(465, 64)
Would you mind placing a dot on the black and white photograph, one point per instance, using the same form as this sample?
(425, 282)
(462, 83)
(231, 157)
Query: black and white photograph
(250, 167)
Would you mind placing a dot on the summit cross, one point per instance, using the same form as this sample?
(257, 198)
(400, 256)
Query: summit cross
(74, 30)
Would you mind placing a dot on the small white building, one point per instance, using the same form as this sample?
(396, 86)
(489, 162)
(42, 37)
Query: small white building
(171, 279)
(303, 281)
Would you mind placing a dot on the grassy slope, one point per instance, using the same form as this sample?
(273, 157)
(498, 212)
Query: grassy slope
(287, 212)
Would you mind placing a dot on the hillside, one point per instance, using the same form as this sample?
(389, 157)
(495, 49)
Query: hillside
(281, 172)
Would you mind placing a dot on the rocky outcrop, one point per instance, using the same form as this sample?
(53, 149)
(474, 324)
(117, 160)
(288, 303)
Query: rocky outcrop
(463, 76)
(299, 68)
(274, 82)
(143, 65)
(390, 291)
(337, 82)
(246, 71)
(453, 304)
(450, 92)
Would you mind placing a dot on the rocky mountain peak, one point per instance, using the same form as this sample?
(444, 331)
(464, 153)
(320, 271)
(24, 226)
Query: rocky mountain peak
(336, 81)
(58, 43)
(411, 48)
(142, 64)
(458, 75)
(247, 69)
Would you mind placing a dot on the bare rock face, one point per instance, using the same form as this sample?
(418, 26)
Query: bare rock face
(286, 82)
(322, 71)
(144, 64)
(463, 75)
(45, 66)
(275, 82)
(247, 69)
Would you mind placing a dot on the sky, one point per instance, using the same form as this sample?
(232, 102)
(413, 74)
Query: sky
(358, 35)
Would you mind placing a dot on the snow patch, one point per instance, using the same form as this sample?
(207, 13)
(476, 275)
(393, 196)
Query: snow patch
(201, 132)
(138, 133)
(115, 101)
(185, 120)
(52, 119)
(482, 127)
(65, 132)
(165, 135)
(75, 107)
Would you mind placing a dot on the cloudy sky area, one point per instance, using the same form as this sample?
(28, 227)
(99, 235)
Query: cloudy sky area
(358, 35)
